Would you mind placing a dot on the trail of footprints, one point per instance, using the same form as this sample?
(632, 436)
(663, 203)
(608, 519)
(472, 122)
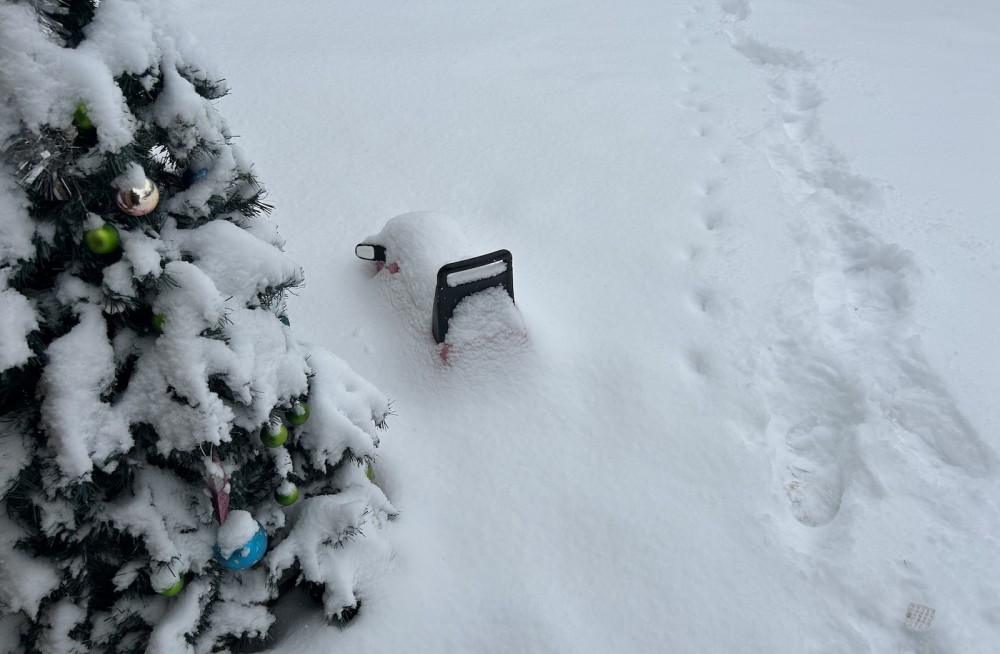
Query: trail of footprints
(843, 389)
(710, 217)
(843, 354)
(844, 341)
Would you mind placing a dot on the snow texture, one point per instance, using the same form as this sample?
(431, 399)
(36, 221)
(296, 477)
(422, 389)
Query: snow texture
(344, 411)
(15, 227)
(416, 245)
(755, 407)
(83, 430)
(17, 321)
(63, 618)
(236, 532)
(25, 580)
(345, 559)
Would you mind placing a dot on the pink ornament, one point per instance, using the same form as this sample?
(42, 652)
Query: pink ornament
(218, 489)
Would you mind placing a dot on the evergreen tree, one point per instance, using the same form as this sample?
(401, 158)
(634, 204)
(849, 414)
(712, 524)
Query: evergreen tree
(172, 458)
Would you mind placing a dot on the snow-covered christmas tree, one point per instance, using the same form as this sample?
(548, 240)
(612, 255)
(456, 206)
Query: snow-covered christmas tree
(173, 459)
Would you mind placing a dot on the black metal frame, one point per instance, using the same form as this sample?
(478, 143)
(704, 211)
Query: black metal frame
(446, 297)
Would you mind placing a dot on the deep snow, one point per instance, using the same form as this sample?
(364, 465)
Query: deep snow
(754, 246)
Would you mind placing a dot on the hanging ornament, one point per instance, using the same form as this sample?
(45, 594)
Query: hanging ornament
(286, 493)
(193, 175)
(218, 487)
(370, 472)
(174, 588)
(138, 199)
(165, 581)
(298, 414)
(274, 435)
(241, 541)
(157, 322)
(80, 117)
(102, 240)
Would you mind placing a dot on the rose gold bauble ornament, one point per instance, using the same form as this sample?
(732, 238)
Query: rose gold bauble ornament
(138, 200)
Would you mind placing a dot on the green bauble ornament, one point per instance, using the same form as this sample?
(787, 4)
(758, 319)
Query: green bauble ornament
(102, 240)
(158, 320)
(80, 117)
(369, 472)
(173, 588)
(298, 414)
(273, 436)
(288, 497)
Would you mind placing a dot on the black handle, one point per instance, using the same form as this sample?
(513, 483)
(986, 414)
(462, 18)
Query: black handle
(465, 282)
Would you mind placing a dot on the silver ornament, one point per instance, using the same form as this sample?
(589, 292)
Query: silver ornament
(138, 200)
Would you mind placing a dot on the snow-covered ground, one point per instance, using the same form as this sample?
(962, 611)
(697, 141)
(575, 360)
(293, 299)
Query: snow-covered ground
(756, 248)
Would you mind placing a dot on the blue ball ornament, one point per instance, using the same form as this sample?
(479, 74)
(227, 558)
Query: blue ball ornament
(192, 175)
(247, 555)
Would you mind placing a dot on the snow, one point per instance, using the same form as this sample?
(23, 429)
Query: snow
(476, 274)
(63, 618)
(343, 409)
(236, 532)
(745, 400)
(15, 228)
(17, 321)
(358, 555)
(83, 430)
(26, 581)
(754, 241)
(43, 83)
(179, 619)
(134, 178)
(160, 512)
(239, 263)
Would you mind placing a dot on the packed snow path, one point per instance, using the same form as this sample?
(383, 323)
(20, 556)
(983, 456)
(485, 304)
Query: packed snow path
(724, 433)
